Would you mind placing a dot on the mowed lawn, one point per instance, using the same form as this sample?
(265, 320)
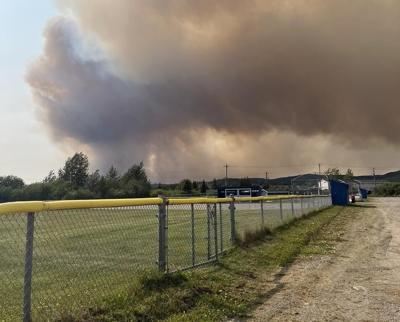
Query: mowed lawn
(81, 256)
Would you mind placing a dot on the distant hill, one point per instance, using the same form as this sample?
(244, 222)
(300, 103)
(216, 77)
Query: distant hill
(390, 176)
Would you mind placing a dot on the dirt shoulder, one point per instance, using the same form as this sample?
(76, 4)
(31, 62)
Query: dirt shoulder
(359, 280)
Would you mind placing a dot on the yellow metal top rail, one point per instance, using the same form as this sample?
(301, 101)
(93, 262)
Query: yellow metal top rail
(37, 206)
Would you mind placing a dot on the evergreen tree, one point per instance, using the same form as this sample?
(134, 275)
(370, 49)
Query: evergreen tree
(186, 186)
(203, 188)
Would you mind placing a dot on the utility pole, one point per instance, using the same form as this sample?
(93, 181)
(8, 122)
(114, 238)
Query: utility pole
(319, 180)
(266, 178)
(373, 173)
(226, 174)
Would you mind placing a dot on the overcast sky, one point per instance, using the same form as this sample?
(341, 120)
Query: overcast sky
(278, 86)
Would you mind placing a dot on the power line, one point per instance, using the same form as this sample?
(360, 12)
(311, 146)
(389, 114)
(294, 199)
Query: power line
(373, 173)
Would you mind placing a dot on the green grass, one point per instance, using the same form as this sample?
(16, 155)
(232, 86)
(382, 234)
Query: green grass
(215, 293)
(83, 257)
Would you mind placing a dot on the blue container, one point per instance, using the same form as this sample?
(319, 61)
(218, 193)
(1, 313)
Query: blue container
(364, 193)
(339, 192)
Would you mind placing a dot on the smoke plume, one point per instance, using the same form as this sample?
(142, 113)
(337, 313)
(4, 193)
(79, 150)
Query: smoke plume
(182, 83)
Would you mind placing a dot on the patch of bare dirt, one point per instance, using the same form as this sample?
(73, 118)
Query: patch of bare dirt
(360, 281)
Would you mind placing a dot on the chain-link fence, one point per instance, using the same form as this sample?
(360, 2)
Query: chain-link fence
(59, 258)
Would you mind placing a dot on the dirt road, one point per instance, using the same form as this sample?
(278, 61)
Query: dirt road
(360, 281)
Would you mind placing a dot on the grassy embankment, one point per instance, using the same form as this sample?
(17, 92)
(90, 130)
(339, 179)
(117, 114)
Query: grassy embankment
(229, 289)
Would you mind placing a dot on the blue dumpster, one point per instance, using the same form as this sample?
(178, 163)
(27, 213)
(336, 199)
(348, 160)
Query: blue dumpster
(364, 193)
(339, 192)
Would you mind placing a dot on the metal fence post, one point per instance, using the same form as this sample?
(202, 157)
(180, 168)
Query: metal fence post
(220, 228)
(162, 235)
(208, 233)
(193, 236)
(292, 206)
(30, 228)
(262, 213)
(233, 221)
(281, 210)
(215, 219)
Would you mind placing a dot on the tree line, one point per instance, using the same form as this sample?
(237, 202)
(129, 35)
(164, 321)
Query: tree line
(388, 190)
(335, 174)
(74, 181)
(186, 187)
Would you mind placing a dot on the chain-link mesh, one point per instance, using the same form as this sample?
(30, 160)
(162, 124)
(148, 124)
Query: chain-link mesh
(287, 212)
(225, 237)
(85, 255)
(272, 213)
(248, 216)
(297, 206)
(12, 254)
(197, 234)
(82, 255)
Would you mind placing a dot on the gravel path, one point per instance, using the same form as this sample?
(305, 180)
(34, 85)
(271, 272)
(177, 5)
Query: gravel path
(359, 282)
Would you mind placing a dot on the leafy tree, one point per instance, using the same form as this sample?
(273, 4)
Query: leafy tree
(93, 181)
(195, 185)
(75, 182)
(109, 184)
(76, 170)
(348, 175)
(60, 188)
(136, 172)
(203, 187)
(112, 174)
(214, 184)
(51, 177)
(333, 174)
(5, 194)
(186, 186)
(12, 182)
(135, 182)
(37, 191)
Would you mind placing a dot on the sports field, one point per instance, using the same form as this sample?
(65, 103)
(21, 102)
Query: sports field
(81, 256)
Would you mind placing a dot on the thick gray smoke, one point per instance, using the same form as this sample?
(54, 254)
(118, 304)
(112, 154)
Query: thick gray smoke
(170, 82)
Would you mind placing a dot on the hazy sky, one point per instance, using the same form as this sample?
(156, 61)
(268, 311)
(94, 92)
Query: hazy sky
(26, 149)
(186, 86)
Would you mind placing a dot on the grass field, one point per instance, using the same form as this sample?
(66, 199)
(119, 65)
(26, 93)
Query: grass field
(82, 256)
